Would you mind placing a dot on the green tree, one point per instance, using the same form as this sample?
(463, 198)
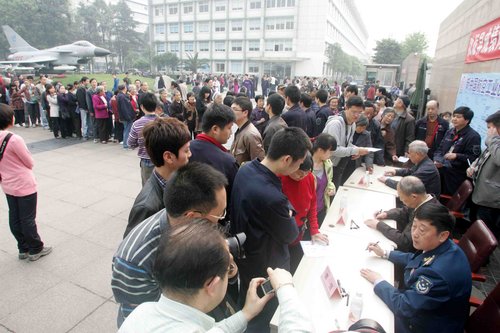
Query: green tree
(193, 62)
(387, 51)
(414, 43)
(168, 60)
(342, 63)
(125, 38)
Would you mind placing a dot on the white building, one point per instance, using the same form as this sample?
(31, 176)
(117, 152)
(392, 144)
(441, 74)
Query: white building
(282, 37)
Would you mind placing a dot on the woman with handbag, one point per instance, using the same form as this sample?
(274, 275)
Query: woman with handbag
(19, 185)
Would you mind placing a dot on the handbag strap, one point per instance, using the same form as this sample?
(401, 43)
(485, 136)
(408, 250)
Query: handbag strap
(4, 144)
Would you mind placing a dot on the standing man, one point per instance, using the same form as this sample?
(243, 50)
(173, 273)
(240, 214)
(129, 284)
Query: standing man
(92, 125)
(375, 133)
(30, 101)
(324, 110)
(295, 116)
(81, 98)
(403, 126)
(342, 127)
(136, 138)
(431, 128)
(461, 145)
(262, 211)
(126, 113)
(247, 144)
(42, 107)
(274, 108)
(305, 104)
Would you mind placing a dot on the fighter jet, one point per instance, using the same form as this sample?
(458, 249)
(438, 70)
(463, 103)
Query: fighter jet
(70, 54)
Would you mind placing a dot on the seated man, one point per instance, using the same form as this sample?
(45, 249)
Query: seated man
(412, 193)
(167, 144)
(437, 279)
(196, 190)
(192, 271)
(424, 169)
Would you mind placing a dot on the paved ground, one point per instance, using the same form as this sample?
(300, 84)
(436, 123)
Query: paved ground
(85, 192)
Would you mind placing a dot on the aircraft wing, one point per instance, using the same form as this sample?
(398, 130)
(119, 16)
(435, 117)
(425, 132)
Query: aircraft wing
(34, 60)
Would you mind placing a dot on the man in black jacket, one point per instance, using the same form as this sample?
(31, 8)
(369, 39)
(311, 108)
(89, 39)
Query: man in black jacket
(125, 111)
(375, 133)
(431, 128)
(424, 169)
(324, 110)
(167, 144)
(295, 116)
(81, 97)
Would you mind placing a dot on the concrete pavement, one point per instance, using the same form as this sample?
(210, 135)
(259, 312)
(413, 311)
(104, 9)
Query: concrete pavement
(85, 192)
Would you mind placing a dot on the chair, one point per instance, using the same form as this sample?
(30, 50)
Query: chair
(486, 318)
(456, 202)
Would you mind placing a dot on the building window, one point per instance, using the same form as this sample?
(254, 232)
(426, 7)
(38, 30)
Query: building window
(279, 45)
(173, 28)
(203, 47)
(203, 27)
(160, 48)
(203, 7)
(254, 45)
(159, 29)
(158, 10)
(236, 45)
(236, 25)
(220, 46)
(220, 6)
(188, 47)
(188, 8)
(220, 67)
(220, 26)
(236, 67)
(253, 68)
(290, 3)
(280, 23)
(237, 5)
(254, 25)
(174, 47)
(255, 4)
(280, 3)
(188, 27)
(173, 9)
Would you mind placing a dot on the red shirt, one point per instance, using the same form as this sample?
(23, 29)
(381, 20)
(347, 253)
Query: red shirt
(302, 196)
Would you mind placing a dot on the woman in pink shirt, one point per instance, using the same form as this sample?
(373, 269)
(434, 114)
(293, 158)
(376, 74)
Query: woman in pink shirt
(19, 185)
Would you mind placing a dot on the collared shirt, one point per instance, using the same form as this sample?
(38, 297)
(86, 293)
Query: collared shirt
(167, 315)
(161, 180)
(136, 139)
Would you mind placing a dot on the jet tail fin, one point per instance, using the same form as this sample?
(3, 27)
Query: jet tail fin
(16, 42)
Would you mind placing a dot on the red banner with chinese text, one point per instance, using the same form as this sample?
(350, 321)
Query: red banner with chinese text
(484, 43)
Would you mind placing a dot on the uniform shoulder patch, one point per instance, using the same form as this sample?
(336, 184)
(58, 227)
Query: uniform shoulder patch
(423, 285)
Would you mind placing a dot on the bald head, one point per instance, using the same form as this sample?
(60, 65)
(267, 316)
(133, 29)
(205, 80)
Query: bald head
(432, 109)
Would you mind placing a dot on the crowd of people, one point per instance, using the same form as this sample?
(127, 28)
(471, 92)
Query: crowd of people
(294, 145)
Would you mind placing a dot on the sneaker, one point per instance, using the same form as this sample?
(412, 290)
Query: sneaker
(96, 141)
(23, 255)
(121, 142)
(44, 252)
(17, 125)
(33, 125)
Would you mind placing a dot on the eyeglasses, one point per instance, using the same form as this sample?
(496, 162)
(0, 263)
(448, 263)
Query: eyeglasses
(238, 110)
(221, 217)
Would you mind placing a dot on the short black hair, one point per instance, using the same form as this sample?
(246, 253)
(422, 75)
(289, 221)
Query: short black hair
(369, 104)
(217, 115)
(438, 216)
(494, 119)
(149, 101)
(164, 134)
(322, 95)
(189, 255)
(189, 94)
(291, 141)
(259, 97)
(293, 93)
(306, 100)
(276, 102)
(307, 165)
(121, 87)
(352, 88)
(228, 100)
(193, 188)
(83, 79)
(354, 101)
(324, 141)
(465, 111)
(6, 116)
(244, 103)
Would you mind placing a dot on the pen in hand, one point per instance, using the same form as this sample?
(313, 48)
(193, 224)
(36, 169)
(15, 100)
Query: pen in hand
(374, 244)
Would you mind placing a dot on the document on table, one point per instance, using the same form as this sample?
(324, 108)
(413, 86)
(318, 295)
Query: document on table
(315, 250)
(371, 149)
(403, 159)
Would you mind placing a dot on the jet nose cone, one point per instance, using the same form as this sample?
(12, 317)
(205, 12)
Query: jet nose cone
(100, 52)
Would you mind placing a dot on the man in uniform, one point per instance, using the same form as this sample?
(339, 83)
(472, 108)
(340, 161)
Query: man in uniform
(437, 279)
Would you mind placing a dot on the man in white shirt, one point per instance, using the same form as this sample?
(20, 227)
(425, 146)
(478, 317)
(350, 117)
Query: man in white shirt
(192, 268)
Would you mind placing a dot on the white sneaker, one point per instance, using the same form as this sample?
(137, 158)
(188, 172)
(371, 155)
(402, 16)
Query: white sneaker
(17, 125)
(33, 125)
(121, 142)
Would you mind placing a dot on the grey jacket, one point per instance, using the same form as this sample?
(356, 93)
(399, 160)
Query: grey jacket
(487, 177)
(336, 126)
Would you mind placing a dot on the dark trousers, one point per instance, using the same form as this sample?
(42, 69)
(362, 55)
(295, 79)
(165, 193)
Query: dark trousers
(101, 124)
(118, 131)
(22, 214)
(66, 127)
(55, 126)
(338, 171)
(19, 115)
(490, 216)
(77, 124)
(31, 112)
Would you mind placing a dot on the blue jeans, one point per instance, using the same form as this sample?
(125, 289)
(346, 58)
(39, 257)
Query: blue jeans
(43, 116)
(127, 126)
(84, 114)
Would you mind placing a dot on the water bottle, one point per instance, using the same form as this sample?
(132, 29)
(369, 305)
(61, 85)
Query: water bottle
(356, 308)
(367, 178)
